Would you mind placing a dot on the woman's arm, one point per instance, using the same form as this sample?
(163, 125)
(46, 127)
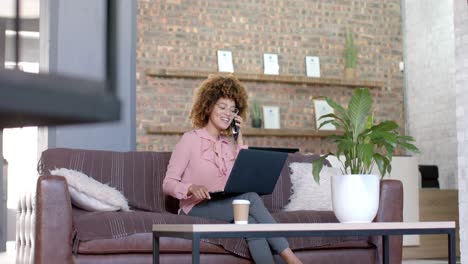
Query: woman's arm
(172, 184)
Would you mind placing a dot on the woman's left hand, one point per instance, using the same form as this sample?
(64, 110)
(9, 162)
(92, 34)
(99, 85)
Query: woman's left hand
(239, 123)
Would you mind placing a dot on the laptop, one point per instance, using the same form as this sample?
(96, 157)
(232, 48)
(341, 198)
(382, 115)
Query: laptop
(253, 171)
(287, 150)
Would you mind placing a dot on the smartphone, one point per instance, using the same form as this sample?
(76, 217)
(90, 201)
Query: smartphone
(235, 130)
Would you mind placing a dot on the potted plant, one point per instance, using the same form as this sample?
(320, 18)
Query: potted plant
(256, 115)
(363, 144)
(350, 56)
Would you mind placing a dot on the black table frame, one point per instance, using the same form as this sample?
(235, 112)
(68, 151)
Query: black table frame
(385, 233)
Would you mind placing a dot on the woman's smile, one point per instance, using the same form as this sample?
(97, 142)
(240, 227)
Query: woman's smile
(226, 120)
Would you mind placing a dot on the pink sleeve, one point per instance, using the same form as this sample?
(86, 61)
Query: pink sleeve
(239, 147)
(172, 184)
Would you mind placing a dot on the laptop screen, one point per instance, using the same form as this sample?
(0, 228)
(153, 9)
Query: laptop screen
(255, 171)
(287, 150)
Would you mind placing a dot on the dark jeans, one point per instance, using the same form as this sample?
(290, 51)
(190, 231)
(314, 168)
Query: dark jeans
(222, 210)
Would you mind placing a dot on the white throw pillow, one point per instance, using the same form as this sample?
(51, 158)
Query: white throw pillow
(306, 193)
(91, 195)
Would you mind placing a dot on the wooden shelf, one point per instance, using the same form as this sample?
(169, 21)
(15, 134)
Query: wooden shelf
(290, 79)
(248, 131)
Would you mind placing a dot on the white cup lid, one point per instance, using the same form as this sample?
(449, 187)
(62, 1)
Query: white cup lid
(239, 201)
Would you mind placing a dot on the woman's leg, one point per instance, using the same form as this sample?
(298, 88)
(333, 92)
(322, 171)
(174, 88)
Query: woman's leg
(261, 215)
(222, 210)
(259, 248)
(289, 256)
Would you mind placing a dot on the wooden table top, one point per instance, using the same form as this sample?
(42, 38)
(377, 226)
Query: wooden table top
(187, 228)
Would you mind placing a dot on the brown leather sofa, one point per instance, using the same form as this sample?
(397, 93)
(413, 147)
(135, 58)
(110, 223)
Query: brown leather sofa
(65, 234)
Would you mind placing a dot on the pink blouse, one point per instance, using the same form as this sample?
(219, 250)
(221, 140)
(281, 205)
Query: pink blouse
(199, 158)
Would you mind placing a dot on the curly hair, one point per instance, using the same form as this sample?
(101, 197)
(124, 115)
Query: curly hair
(210, 91)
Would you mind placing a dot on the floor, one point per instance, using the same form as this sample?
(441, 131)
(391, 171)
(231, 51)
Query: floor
(9, 257)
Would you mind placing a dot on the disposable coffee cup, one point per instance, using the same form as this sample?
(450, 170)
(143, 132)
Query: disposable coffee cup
(241, 211)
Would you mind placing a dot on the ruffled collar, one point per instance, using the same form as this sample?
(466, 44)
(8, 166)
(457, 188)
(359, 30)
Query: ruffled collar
(215, 150)
(203, 133)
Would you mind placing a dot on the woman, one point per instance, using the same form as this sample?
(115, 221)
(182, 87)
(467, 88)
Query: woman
(202, 161)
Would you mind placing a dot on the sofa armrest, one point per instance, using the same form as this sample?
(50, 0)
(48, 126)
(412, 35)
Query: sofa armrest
(53, 221)
(391, 202)
(390, 210)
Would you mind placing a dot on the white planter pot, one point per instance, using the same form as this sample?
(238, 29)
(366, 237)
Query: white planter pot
(355, 197)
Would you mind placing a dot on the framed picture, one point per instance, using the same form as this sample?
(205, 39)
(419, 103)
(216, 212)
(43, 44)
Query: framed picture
(225, 61)
(313, 66)
(270, 64)
(271, 117)
(323, 108)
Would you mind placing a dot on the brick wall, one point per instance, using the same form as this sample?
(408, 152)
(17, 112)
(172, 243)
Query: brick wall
(186, 35)
(461, 85)
(430, 89)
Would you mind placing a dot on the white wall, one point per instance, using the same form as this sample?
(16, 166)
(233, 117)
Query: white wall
(73, 42)
(19, 149)
(461, 86)
(430, 89)
(436, 47)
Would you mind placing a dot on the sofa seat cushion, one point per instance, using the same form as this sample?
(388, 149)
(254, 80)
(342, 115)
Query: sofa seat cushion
(89, 226)
(115, 232)
(143, 243)
(309, 216)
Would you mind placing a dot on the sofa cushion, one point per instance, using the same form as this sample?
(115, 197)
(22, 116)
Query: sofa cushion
(97, 228)
(143, 243)
(309, 216)
(91, 195)
(138, 175)
(308, 194)
(109, 225)
(276, 201)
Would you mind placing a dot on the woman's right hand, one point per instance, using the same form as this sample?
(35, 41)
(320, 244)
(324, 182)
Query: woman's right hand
(199, 191)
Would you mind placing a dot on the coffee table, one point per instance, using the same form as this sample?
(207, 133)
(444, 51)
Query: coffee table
(196, 232)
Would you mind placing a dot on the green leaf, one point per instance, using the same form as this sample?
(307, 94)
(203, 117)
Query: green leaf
(379, 160)
(255, 112)
(344, 145)
(331, 115)
(347, 163)
(387, 126)
(328, 122)
(350, 52)
(341, 112)
(366, 152)
(358, 109)
(317, 166)
(390, 148)
(405, 138)
(335, 137)
(370, 121)
(366, 139)
(383, 136)
(389, 166)
(409, 146)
